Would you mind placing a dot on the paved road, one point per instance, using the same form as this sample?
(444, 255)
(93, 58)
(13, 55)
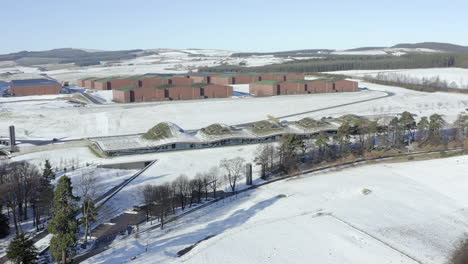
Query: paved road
(91, 98)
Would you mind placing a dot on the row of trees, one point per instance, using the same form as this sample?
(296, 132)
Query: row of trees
(400, 78)
(358, 137)
(364, 62)
(24, 188)
(182, 192)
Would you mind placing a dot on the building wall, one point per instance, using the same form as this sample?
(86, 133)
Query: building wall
(119, 83)
(244, 79)
(273, 77)
(36, 90)
(181, 81)
(199, 79)
(262, 89)
(100, 85)
(184, 93)
(89, 84)
(295, 76)
(292, 88)
(346, 86)
(319, 87)
(216, 91)
(80, 83)
(149, 94)
(121, 96)
(151, 82)
(222, 80)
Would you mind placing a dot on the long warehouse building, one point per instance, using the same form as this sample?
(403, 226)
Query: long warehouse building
(35, 87)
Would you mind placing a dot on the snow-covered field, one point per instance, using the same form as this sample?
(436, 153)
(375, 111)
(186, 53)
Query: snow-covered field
(118, 119)
(384, 51)
(169, 165)
(450, 75)
(414, 211)
(165, 61)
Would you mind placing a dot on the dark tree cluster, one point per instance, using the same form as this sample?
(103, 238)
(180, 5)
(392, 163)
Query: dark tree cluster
(357, 137)
(364, 62)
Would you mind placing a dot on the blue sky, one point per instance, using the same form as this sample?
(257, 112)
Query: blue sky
(236, 25)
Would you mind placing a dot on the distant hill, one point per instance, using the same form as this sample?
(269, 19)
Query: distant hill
(446, 47)
(366, 48)
(292, 53)
(68, 55)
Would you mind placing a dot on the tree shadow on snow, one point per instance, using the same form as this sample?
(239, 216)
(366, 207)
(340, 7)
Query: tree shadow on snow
(212, 229)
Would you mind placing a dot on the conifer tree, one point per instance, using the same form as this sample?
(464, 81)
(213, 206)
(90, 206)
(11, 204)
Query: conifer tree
(4, 225)
(89, 212)
(63, 225)
(48, 173)
(22, 250)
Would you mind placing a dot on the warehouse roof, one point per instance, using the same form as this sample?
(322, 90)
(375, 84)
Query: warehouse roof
(267, 82)
(299, 81)
(204, 74)
(110, 78)
(328, 79)
(199, 84)
(4, 84)
(126, 88)
(33, 82)
(164, 86)
(87, 78)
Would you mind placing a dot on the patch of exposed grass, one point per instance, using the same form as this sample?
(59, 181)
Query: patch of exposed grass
(159, 131)
(215, 129)
(265, 127)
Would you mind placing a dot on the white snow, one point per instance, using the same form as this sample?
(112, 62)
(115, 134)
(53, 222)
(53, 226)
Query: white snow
(414, 209)
(106, 96)
(456, 75)
(170, 165)
(118, 119)
(384, 51)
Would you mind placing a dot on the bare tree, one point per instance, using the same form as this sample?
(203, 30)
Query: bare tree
(182, 190)
(233, 169)
(214, 181)
(199, 186)
(87, 186)
(163, 199)
(148, 198)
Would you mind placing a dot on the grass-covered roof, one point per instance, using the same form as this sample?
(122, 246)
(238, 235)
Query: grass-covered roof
(158, 132)
(310, 123)
(216, 129)
(265, 126)
(164, 86)
(126, 88)
(267, 82)
(199, 84)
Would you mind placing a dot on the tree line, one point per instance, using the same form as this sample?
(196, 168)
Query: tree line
(360, 137)
(23, 189)
(345, 63)
(183, 192)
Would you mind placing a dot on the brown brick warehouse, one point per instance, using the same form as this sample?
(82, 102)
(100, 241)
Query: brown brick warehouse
(35, 87)
(147, 88)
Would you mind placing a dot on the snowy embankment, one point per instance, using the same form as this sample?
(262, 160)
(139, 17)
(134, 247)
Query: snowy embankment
(169, 165)
(413, 212)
